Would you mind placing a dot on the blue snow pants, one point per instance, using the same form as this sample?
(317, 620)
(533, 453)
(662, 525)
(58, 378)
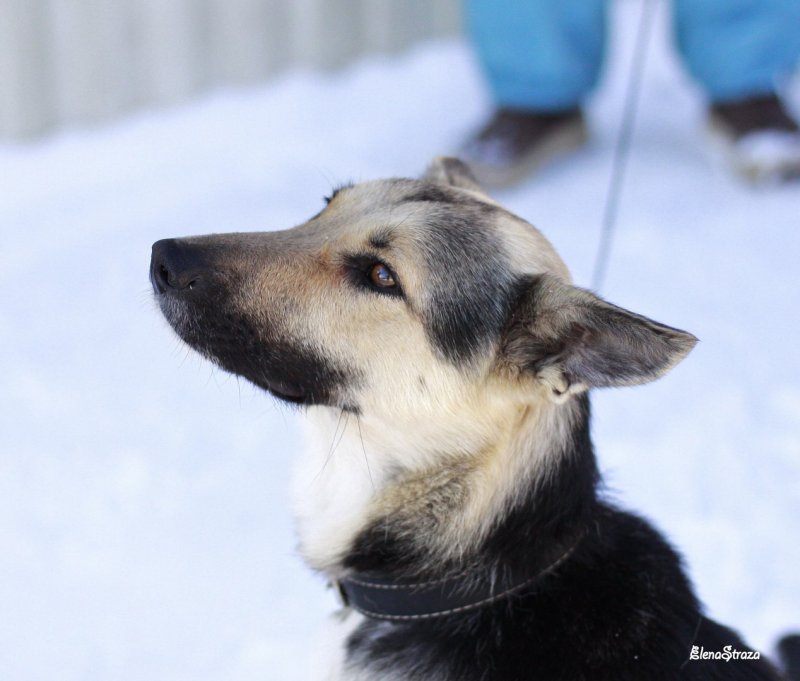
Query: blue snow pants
(547, 54)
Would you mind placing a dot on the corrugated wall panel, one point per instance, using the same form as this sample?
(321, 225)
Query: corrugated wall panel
(26, 87)
(73, 62)
(91, 59)
(249, 41)
(171, 44)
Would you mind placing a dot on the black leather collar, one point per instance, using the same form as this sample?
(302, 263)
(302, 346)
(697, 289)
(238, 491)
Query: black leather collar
(385, 598)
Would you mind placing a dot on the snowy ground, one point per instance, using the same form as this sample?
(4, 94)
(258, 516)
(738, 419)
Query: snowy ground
(144, 530)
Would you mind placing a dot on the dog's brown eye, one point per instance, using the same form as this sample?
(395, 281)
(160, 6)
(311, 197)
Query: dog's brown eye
(380, 275)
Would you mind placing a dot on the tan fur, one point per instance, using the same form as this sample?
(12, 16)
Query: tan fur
(436, 446)
(439, 447)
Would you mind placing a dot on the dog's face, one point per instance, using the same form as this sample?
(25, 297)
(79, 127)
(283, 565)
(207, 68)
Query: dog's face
(444, 323)
(403, 298)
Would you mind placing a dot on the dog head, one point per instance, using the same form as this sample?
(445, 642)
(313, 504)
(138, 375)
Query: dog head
(402, 296)
(447, 325)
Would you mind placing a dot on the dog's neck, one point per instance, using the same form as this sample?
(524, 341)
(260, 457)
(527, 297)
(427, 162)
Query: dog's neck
(507, 499)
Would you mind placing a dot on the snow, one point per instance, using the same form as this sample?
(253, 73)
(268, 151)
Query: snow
(144, 522)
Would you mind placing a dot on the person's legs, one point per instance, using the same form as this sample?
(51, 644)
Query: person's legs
(738, 48)
(738, 51)
(541, 58)
(542, 55)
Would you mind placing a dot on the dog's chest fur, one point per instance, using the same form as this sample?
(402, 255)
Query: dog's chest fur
(620, 609)
(357, 485)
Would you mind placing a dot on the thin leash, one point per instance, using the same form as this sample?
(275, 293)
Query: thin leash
(622, 146)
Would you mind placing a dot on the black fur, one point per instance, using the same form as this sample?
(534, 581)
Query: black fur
(381, 239)
(336, 190)
(789, 651)
(289, 369)
(619, 609)
(590, 341)
(470, 290)
(436, 193)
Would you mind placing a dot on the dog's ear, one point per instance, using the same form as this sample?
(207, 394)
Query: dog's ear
(453, 172)
(571, 340)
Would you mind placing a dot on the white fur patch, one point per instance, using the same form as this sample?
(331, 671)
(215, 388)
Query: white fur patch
(333, 486)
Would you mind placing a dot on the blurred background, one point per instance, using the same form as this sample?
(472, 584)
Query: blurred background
(145, 525)
(67, 62)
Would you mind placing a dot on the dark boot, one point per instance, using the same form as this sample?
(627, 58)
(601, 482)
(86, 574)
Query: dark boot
(759, 137)
(513, 145)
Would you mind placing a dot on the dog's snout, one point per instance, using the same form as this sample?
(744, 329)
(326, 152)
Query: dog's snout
(175, 266)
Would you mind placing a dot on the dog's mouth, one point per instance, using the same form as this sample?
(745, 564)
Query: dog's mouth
(286, 392)
(288, 370)
(198, 295)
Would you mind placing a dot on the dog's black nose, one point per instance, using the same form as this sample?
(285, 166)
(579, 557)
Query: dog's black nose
(175, 266)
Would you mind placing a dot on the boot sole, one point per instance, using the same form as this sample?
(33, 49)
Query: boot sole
(748, 169)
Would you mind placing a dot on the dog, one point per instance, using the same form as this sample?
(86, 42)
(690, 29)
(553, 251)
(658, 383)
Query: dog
(450, 492)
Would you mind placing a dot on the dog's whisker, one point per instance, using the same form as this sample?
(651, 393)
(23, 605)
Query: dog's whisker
(335, 435)
(343, 416)
(187, 351)
(364, 449)
(694, 638)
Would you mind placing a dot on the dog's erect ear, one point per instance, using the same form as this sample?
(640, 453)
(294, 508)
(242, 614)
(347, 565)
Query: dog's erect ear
(571, 340)
(453, 172)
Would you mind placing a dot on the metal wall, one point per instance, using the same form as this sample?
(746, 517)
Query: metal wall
(73, 62)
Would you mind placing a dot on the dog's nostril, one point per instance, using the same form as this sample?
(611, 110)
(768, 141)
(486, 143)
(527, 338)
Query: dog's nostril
(175, 266)
(159, 277)
(175, 281)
